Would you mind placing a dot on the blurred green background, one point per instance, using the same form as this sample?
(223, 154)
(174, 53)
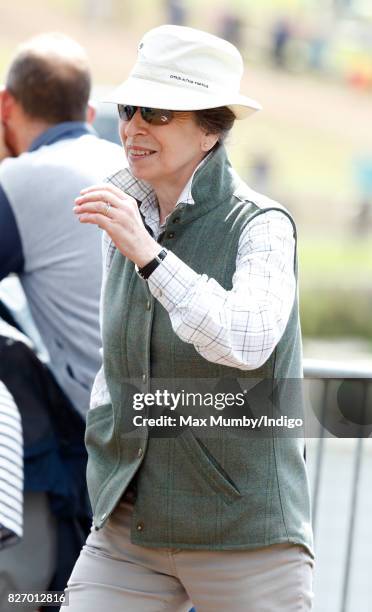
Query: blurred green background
(309, 62)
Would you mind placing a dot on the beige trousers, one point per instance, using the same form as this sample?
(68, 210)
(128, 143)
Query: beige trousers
(112, 574)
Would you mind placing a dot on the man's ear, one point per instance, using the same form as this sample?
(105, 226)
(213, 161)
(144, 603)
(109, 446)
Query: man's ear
(91, 112)
(6, 104)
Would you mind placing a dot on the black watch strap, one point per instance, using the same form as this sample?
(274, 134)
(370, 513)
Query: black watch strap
(152, 265)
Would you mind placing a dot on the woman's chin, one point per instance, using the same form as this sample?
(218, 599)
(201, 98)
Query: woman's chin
(140, 170)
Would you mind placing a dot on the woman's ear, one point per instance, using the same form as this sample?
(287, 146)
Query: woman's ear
(209, 141)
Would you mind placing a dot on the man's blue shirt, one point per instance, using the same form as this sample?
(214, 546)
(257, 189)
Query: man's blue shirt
(11, 250)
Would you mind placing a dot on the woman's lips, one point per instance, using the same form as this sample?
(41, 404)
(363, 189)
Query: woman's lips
(137, 152)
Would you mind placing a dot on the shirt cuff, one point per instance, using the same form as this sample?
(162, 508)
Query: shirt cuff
(172, 281)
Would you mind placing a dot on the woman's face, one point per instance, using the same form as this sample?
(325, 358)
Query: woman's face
(161, 154)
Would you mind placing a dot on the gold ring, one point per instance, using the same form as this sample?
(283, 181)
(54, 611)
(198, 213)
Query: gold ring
(107, 208)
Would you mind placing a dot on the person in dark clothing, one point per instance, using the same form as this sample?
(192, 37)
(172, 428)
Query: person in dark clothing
(54, 473)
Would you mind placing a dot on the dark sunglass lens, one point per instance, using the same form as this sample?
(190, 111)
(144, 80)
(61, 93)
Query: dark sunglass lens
(126, 111)
(156, 116)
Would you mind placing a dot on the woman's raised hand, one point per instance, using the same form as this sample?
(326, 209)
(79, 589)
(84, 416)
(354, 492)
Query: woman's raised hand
(117, 213)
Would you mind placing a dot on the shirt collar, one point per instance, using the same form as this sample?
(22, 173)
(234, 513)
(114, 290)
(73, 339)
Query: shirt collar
(67, 129)
(146, 197)
(185, 196)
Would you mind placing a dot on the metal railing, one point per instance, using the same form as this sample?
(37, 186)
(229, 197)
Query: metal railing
(328, 373)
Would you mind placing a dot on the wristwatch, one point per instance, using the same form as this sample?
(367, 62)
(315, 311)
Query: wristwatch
(152, 265)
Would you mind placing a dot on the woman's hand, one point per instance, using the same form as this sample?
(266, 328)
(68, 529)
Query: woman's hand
(117, 213)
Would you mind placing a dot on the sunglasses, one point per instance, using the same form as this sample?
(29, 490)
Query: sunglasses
(154, 116)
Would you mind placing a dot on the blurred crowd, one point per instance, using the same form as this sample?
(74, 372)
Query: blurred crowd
(331, 42)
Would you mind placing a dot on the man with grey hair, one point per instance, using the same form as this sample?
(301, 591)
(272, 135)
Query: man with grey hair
(48, 153)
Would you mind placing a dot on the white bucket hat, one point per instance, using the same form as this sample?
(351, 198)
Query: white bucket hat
(181, 68)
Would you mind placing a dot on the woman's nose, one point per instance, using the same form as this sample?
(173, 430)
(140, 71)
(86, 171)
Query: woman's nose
(135, 125)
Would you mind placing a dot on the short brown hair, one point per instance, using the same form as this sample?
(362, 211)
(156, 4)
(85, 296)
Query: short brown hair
(50, 78)
(217, 120)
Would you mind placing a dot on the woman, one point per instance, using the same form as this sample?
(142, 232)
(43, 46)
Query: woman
(200, 285)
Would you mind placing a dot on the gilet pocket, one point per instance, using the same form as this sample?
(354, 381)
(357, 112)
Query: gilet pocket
(208, 468)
